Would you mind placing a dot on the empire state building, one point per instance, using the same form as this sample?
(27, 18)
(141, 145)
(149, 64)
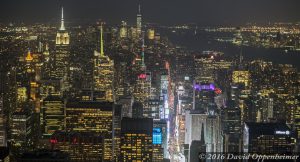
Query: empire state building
(61, 57)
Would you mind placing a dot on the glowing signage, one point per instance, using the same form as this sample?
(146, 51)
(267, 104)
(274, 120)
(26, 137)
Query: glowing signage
(200, 87)
(157, 136)
(283, 132)
(218, 91)
(142, 76)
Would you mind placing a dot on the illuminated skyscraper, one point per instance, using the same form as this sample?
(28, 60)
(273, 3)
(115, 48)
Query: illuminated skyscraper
(103, 118)
(139, 22)
(81, 146)
(61, 57)
(142, 88)
(241, 77)
(123, 30)
(21, 130)
(52, 115)
(103, 73)
(136, 139)
(151, 34)
(268, 138)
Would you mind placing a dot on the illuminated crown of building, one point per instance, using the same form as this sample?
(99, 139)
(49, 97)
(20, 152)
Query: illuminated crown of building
(29, 57)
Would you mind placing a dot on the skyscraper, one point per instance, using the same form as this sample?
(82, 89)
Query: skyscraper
(103, 73)
(139, 22)
(61, 57)
(136, 139)
(2, 125)
(103, 118)
(52, 115)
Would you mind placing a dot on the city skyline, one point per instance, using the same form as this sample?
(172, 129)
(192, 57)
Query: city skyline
(203, 12)
(100, 89)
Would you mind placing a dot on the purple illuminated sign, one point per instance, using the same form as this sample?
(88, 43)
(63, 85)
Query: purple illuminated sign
(200, 87)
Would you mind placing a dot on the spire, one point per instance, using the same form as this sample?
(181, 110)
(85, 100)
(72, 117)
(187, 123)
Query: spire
(62, 25)
(202, 135)
(143, 49)
(139, 9)
(101, 41)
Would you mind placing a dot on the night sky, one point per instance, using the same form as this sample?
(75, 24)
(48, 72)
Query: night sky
(203, 12)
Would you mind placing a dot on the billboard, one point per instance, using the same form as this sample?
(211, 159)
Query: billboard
(157, 136)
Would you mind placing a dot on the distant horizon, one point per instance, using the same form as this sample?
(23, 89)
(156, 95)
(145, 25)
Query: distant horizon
(91, 22)
(167, 12)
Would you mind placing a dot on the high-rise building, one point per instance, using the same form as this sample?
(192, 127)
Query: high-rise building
(151, 109)
(103, 118)
(197, 147)
(52, 116)
(203, 95)
(3, 140)
(231, 124)
(142, 89)
(136, 139)
(103, 73)
(81, 146)
(212, 130)
(241, 77)
(61, 57)
(139, 22)
(268, 138)
(123, 30)
(21, 130)
(160, 136)
(151, 34)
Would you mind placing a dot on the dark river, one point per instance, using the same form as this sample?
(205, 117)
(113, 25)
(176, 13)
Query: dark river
(204, 41)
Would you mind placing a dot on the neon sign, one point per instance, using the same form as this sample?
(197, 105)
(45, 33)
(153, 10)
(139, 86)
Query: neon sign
(142, 76)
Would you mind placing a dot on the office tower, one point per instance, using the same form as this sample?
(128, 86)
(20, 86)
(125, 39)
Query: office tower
(242, 77)
(102, 118)
(213, 133)
(123, 30)
(212, 129)
(142, 89)
(21, 131)
(3, 140)
(150, 34)
(136, 139)
(203, 95)
(204, 66)
(139, 22)
(47, 66)
(193, 124)
(29, 64)
(52, 116)
(231, 124)
(81, 146)
(103, 73)
(197, 147)
(137, 110)
(61, 57)
(158, 153)
(268, 138)
(127, 103)
(151, 108)
(160, 136)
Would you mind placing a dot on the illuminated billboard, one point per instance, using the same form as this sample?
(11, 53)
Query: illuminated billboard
(157, 136)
